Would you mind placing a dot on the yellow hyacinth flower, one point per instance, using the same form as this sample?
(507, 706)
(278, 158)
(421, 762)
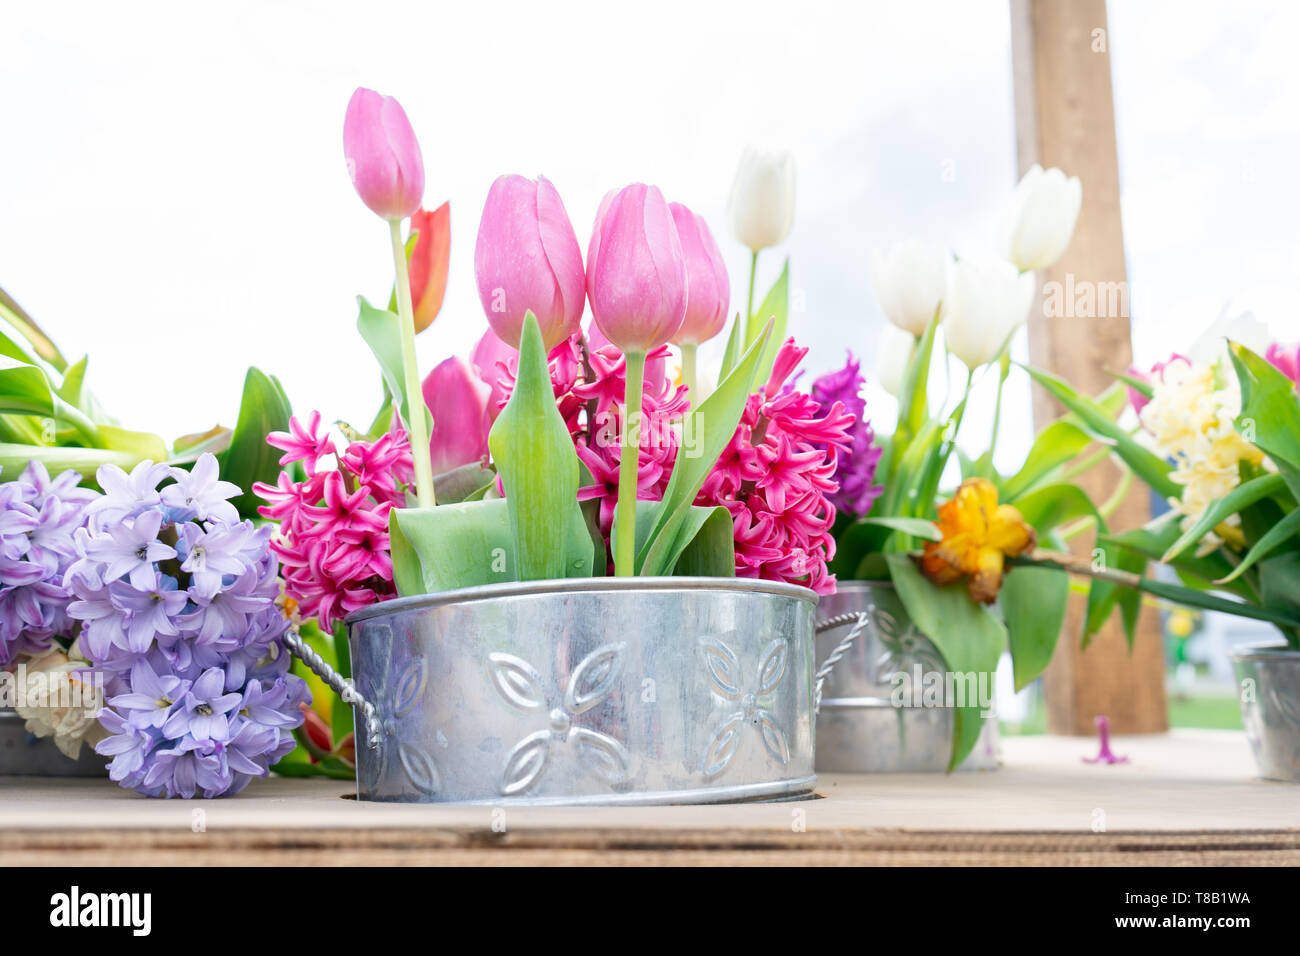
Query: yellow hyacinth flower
(978, 535)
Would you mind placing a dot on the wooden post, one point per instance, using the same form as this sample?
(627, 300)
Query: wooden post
(1065, 117)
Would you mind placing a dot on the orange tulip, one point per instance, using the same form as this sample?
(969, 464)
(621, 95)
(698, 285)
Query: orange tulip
(429, 261)
(978, 535)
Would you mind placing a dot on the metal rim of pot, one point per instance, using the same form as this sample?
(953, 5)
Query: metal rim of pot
(1271, 650)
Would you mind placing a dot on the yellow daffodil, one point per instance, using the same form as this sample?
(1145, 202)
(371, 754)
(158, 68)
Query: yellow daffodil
(978, 535)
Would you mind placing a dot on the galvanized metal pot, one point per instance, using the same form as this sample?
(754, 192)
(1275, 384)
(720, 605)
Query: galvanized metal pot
(1269, 679)
(593, 690)
(22, 754)
(859, 729)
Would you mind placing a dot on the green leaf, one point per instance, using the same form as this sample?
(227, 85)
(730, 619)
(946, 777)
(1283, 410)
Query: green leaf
(534, 455)
(1153, 540)
(775, 307)
(1051, 506)
(706, 431)
(922, 528)
(24, 388)
(1279, 580)
(732, 352)
(1285, 530)
(969, 637)
(914, 402)
(263, 409)
(1033, 606)
(84, 461)
(140, 445)
(1270, 408)
(382, 331)
(1057, 444)
(462, 483)
(451, 546)
(1202, 599)
(42, 344)
(705, 545)
(1105, 596)
(1238, 498)
(1146, 464)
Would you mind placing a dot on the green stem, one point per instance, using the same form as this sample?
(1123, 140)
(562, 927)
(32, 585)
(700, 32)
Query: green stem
(749, 308)
(418, 424)
(689, 373)
(628, 458)
(1004, 370)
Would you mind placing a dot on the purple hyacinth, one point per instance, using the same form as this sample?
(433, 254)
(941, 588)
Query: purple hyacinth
(856, 472)
(38, 518)
(176, 598)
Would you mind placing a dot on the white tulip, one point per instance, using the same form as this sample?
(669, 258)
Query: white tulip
(893, 353)
(1038, 223)
(761, 208)
(910, 282)
(987, 301)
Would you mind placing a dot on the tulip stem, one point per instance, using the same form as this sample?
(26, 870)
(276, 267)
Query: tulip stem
(689, 374)
(1004, 368)
(629, 456)
(749, 309)
(417, 425)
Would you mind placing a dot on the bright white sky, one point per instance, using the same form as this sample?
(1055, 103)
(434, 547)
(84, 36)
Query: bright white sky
(173, 198)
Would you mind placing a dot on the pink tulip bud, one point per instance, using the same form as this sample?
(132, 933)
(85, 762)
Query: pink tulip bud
(429, 263)
(383, 155)
(706, 274)
(457, 400)
(636, 271)
(527, 259)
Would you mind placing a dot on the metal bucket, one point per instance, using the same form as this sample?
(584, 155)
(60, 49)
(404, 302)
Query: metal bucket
(585, 691)
(1269, 679)
(859, 728)
(23, 754)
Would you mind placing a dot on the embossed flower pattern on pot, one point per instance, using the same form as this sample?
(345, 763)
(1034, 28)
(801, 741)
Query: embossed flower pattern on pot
(728, 681)
(590, 684)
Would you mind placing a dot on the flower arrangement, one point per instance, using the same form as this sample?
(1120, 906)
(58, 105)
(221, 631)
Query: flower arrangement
(176, 597)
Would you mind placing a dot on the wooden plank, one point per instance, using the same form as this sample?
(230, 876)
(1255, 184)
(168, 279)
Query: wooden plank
(1065, 118)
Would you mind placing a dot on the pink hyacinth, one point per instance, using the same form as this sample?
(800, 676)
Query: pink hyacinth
(777, 478)
(1136, 398)
(333, 540)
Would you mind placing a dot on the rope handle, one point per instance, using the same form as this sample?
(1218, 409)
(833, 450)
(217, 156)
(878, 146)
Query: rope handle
(859, 620)
(337, 682)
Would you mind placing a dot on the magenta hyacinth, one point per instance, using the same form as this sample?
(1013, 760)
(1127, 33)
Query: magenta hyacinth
(527, 259)
(383, 155)
(636, 270)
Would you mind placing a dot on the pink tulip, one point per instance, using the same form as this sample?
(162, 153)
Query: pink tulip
(636, 272)
(491, 361)
(706, 275)
(383, 155)
(527, 259)
(1286, 359)
(457, 400)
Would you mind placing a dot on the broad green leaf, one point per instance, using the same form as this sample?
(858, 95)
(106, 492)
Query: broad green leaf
(451, 546)
(732, 352)
(969, 637)
(1051, 506)
(913, 408)
(72, 389)
(1270, 408)
(1104, 596)
(1238, 498)
(24, 388)
(1282, 532)
(1289, 617)
(382, 331)
(140, 445)
(1033, 606)
(922, 528)
(84, 461)
(1057, 444)
(461, 484)
(902, 492)
(1279, 581)
(539, 468)
(262, 410)
(42, 344)
(1146, 464)
(705, 546)
(706, 431)
(1153, 540)
(776, 308)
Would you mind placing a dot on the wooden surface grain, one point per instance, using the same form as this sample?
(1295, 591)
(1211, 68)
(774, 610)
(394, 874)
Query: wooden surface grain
(1185, 798)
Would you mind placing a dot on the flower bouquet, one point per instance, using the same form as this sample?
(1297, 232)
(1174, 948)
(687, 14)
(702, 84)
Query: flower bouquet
(530, 547)
(53, 673)
(1219, 439)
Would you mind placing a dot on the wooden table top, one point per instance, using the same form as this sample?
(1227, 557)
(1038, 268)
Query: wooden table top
(1187, 797)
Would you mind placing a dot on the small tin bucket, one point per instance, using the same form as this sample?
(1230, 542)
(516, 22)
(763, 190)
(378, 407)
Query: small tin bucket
(859, 728)
(1268, 678)
(585, 691)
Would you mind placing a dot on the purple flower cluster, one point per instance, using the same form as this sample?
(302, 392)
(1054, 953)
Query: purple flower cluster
(856, 473)
(37, 520)
(177, 601)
